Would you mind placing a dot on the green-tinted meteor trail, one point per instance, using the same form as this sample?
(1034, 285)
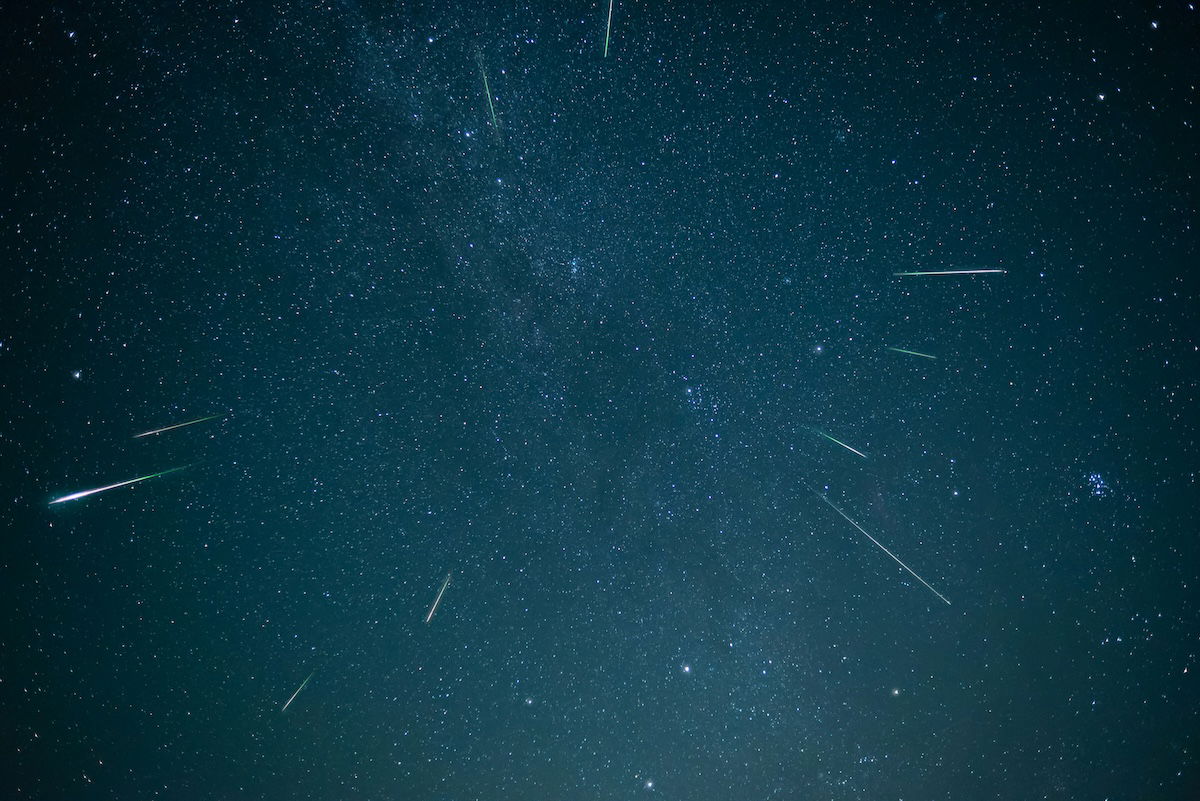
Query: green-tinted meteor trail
(912, 352)
(74, 496)
(487, 90)
(303, 684)
(177, 425)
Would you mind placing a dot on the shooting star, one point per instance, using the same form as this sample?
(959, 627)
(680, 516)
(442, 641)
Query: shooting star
(949, 272)
(487, 90)
(438, 599)
(911, 352)
(880, 545)
(608, 30)
(839, 442)
(303, 684)
(74, 496)
(177, 425)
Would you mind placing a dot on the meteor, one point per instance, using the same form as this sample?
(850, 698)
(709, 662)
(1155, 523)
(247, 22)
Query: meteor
(303, 684)
(74, 496)
(911, 352)
(608, 30)
(177, 425)
(839, 442)
(487, 90)
(438, 599)
(949, 272)
(880, 545)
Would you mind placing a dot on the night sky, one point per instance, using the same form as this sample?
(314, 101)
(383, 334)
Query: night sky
(731, 509)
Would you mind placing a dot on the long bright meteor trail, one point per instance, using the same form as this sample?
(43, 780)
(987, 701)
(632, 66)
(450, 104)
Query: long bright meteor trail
(487, 90)
(74, 496)
(177, 425)
(839, 442)
(608, 30)
(881, 546)
(912, 352)
(298, 689)
(438, 599)
(950, 272)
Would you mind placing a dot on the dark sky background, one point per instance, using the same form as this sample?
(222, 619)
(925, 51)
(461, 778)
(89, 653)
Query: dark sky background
(588, 351)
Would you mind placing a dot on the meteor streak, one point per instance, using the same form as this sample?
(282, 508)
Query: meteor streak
(177, 425)
(912, 352)
(74, 496)
(487, 91)
(608, 30)
(880, 545)
(438, 599)
(303, 684)
(839, 442)
(949, 272)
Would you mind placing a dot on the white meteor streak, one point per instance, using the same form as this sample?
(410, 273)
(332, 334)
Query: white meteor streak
(298, 689)
(438, 599)
(608, 30)
(839, 442)
(881, 546)
(74, 496)
(949, 272)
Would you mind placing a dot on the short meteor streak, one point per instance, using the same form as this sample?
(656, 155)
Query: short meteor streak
(608, 30)
(950, 272)
(74, 496)
(303, 684)
(912, 353)
(438, 599)
(881, 547)
(177, 425)
(839, 442)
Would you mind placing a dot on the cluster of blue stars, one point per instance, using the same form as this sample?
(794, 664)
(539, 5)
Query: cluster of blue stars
(1097, 486)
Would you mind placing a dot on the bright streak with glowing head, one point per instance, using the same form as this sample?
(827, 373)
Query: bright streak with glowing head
(839, 442)
(74, 496)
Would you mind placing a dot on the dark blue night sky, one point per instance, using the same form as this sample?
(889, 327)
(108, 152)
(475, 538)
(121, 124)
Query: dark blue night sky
(801, 400)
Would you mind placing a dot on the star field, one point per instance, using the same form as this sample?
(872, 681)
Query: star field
(796, 400)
